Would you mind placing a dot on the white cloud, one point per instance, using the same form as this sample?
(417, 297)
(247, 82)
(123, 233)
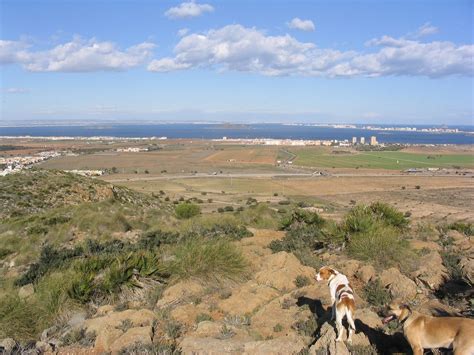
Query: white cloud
(16, 90)
(426, 30)
(238, 48)
(303, 25)
(183, 32)
(87, 56)
(13, 52)
(188, 9)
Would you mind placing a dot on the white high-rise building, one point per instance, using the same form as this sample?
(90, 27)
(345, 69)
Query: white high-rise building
(362, 140)
(354, 140)
(373, 140)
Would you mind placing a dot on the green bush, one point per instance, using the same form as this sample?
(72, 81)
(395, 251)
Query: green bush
(213, 259)
(381, 245)
(362, 218)
(465, 228)
(201, 317)
(376, 294)
(187, 210)
(302, 281)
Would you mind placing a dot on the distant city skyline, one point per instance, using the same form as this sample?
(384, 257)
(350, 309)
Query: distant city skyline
(398, 62)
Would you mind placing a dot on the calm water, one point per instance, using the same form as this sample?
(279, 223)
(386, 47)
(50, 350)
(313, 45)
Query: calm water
(210, 131)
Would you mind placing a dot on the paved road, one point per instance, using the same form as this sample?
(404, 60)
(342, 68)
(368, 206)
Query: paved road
(273, 175)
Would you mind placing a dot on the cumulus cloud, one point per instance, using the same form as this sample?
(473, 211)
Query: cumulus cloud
(187, 10)
(78, 55)
(238, 48)
(13, 52)
(303, 25)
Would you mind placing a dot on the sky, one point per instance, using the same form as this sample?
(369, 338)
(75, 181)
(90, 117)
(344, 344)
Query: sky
(387, 62)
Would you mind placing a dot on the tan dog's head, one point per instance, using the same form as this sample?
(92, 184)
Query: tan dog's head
(325, 273)
(397, 310)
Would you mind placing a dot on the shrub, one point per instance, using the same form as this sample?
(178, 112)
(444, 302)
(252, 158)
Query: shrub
(306, 327)
(229, 209)
(362, 218)
(278, 328)
(187, 210)
(220, 210)
(465, 228)
(451, 261)
(284, 202)
(201, 317)
(381, 245)
(376, 294)
(208, 259)
(302, 281)
(49, 259)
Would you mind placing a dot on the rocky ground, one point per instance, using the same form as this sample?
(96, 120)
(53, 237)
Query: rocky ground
(278, 309)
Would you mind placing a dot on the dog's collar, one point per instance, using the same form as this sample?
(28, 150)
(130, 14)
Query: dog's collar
(402, 321)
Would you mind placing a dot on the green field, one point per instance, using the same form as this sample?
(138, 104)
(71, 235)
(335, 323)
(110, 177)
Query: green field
(380, 160)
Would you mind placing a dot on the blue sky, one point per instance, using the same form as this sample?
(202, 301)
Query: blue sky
(406, 62)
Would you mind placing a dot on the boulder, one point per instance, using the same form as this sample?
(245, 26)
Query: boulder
(365, 273)
(141, 335)
(456, 236)
(431, 272)
(138, 318)
(180, 292)
(105, 338)
(280, 346)
(349, 268)
(280, 270)
(398, 284)
(7, 346)
(104, 310)
(43, 347)
(327, 344)
(467, 267)
(26, 291)
(208, 346)
(207, 329)
(248, 298)
(368, 317)
(273, 314)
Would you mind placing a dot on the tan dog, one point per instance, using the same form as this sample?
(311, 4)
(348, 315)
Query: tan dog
(427, 332)
(342, 298)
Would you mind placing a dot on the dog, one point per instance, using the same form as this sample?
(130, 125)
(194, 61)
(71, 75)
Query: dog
(342, 299)
(427, 332)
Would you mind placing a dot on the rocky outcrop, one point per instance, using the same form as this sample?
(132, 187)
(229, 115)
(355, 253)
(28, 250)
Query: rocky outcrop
(398, 284)
(180, 292)
(432, 273)
(248, 298)
(207, 346)
(280, 271)
(327, 344)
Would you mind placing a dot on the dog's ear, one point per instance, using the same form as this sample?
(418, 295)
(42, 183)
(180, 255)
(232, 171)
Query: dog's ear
(405, 306)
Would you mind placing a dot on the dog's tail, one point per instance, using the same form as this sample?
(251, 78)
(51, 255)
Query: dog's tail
(349, 310)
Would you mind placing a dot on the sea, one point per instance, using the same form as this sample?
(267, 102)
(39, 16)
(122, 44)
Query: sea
(216, 131)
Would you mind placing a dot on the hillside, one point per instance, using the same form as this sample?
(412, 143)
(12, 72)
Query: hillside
(89, 267)
(36, 190)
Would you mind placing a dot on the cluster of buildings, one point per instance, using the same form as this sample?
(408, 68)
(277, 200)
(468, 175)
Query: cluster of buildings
(132, 150)
(373, 141)
(299, 142)
(14, 164)
(414, 129)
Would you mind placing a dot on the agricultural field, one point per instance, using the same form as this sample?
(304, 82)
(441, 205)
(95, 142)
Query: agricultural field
(331, 158)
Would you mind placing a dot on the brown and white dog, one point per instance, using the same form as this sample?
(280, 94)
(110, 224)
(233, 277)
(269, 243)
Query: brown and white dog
(342, 298)
(427, 332)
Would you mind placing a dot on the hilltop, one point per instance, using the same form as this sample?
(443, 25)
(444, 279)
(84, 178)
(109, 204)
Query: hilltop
(87, 266)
